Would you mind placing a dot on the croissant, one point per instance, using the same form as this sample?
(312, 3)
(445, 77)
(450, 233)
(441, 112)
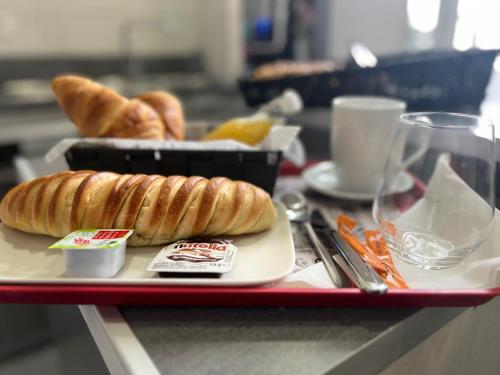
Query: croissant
(159, 209)
(98, 111)
(169, 108)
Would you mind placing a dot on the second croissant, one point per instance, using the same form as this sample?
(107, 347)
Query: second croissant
(98, 111)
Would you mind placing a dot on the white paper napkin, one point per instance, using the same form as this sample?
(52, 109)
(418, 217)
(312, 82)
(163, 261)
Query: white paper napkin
(314, 276)
(449, 208)
(482, 268)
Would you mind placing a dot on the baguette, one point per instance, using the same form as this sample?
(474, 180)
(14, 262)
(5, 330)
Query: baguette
(159, 209)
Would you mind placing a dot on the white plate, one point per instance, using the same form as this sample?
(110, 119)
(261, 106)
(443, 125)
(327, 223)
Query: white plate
(262, 258)
(323, 178)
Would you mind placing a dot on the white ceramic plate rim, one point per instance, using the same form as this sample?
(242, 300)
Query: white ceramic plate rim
(281, 230)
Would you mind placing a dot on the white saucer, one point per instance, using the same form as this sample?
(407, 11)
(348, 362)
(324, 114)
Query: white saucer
(323, 178)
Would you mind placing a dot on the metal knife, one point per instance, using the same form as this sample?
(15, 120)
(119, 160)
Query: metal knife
(323, 253)
(361, 273)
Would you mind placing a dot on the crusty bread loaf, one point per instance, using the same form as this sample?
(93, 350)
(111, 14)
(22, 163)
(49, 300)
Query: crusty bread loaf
(286, 68)
(98, 111)
(159, 209)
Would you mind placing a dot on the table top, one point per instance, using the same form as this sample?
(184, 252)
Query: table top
(278, 341)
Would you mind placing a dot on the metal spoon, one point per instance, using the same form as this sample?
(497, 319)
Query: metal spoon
(296, 211)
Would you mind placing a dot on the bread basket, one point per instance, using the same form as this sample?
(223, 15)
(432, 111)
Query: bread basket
(258, 165)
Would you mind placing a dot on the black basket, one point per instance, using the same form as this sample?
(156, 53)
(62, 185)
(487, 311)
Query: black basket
(430, 81)
(260, 168)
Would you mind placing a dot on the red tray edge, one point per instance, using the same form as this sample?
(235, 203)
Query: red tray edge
(248, 297)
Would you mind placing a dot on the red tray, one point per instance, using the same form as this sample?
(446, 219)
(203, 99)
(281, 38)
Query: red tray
(209, 296)
(273, 297)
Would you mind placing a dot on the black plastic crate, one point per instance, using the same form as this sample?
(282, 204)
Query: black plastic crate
(427, 81)
(257, 167)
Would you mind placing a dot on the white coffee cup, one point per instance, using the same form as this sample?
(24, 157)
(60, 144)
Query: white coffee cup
(361, 135)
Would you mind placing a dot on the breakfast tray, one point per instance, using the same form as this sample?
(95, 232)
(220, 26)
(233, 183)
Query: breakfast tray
(235, 295)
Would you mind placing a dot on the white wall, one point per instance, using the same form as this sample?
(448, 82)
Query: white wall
(92, 27)
(380, 24)
(222, 39)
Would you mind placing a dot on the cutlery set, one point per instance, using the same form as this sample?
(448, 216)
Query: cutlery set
(337, 255)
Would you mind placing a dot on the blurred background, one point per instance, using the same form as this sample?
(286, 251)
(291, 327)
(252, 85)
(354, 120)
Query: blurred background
(424, 51)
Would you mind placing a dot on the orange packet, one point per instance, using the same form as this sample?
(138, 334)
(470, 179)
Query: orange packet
(376, 242)
(373, 252)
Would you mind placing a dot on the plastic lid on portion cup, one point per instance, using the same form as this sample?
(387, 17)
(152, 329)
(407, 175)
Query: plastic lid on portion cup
(93, 239)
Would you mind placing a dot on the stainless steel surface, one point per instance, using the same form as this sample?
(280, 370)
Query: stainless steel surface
(363, 275)
(296, 209)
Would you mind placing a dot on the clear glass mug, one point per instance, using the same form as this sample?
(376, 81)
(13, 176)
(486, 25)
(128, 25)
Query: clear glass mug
(447, 210)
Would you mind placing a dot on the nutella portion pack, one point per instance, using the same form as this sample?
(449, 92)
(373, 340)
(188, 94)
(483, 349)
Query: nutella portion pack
(213, 256)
